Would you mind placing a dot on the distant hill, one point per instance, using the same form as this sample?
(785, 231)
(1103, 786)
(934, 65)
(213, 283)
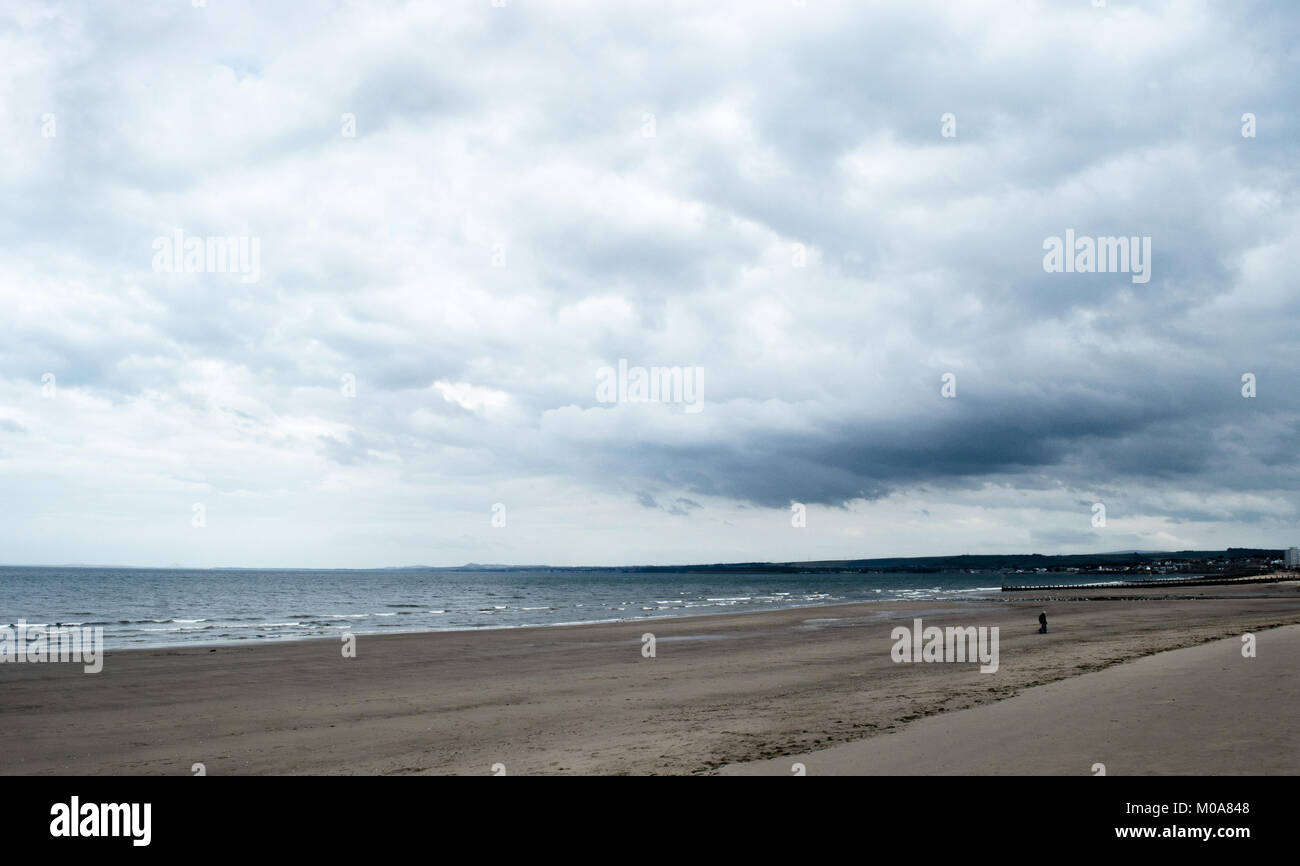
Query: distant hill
(981, 562)
(917, 564)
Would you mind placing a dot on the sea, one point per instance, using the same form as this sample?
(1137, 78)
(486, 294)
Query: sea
(154, 607)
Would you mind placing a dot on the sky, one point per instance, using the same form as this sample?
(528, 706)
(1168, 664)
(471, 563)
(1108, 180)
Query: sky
(464, 227)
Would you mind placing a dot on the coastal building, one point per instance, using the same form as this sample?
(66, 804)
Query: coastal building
(1292, 558)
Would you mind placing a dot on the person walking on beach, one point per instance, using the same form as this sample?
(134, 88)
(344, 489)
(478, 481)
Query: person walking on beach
(1042, 623)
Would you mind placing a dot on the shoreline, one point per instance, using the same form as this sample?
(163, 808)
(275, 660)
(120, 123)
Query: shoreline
(488, 629)
(982, 594)
(723, 688)
(130, 643)
(1209, 580)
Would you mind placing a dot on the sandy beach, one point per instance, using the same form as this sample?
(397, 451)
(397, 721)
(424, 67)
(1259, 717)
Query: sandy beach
(1203, 710)
(721, 691)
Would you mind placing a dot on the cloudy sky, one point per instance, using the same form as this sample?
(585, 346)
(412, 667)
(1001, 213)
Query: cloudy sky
(463, 211)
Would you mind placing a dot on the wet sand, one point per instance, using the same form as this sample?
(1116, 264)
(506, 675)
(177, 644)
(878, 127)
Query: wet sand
(720, 690)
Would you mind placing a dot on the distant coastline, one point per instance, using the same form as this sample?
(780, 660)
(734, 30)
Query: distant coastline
(1229, 559)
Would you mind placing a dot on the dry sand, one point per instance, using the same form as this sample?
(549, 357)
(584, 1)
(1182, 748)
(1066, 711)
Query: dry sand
(1204, 710)
(582, 699)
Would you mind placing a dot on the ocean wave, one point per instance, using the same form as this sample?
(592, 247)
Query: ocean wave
(247, 609)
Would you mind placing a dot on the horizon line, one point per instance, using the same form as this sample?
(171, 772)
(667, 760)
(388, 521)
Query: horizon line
(489, 566)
